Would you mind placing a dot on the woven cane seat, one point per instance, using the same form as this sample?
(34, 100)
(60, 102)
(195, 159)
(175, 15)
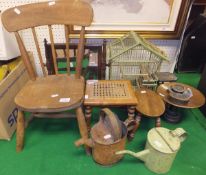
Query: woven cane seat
(109, 92)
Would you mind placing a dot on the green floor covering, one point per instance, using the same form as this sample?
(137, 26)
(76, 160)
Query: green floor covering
(49, 148)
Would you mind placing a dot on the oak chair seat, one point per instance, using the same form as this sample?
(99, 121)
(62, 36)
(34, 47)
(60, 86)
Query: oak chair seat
(52, 93)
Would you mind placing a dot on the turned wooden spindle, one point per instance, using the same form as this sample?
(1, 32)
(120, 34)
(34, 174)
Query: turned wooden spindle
(131, 112)
(158, 122)
(88, 115)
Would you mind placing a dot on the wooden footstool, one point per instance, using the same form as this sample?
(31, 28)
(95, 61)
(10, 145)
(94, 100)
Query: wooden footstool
(107, 93)
(150, 105)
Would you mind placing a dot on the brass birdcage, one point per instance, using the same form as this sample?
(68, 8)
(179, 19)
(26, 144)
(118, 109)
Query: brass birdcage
(134, 58)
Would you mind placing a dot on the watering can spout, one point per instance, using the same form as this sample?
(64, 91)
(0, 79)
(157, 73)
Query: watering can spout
(142, 155)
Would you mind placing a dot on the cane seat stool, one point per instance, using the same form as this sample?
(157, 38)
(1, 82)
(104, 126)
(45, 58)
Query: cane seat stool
(50, 94)
(108, 93)
(149, 105)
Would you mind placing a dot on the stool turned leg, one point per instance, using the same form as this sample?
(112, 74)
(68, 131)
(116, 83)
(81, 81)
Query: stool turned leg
(136, 126)
(20, 131)
(138, 120)
(171, 114)
(158, 122)
(131, 115)
(88, 114)
(131, 112)
(82, 127)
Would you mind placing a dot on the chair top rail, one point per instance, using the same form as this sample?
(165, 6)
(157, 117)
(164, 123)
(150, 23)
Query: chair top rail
(70, 12)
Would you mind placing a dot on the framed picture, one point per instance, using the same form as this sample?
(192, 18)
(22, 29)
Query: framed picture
(150, 18)
(200, 2)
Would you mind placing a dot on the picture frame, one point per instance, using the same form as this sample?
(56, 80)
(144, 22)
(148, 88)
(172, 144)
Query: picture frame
(200, 2)
(166, 25)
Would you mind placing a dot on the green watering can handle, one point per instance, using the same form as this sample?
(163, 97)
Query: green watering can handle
(180, 133)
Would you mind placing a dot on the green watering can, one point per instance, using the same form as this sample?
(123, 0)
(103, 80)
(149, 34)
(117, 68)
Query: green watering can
(160, 150)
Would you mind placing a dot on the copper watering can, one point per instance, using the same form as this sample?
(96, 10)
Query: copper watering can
(161, 148)
(107, 137)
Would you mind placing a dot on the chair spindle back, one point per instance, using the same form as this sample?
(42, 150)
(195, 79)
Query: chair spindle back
(67, 13)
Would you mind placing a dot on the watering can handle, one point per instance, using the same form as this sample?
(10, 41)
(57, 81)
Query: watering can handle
(180, 133)
(115, 123)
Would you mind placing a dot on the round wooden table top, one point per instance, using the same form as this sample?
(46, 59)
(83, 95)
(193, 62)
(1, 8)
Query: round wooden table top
(196, 101)
(149, 103)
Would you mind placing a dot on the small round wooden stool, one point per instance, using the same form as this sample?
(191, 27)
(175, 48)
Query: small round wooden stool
(150, 105)
(171, 114)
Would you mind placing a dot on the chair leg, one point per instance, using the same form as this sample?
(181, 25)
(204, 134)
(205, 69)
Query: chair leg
(158, 122)
(20, 131)
(82, 127)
